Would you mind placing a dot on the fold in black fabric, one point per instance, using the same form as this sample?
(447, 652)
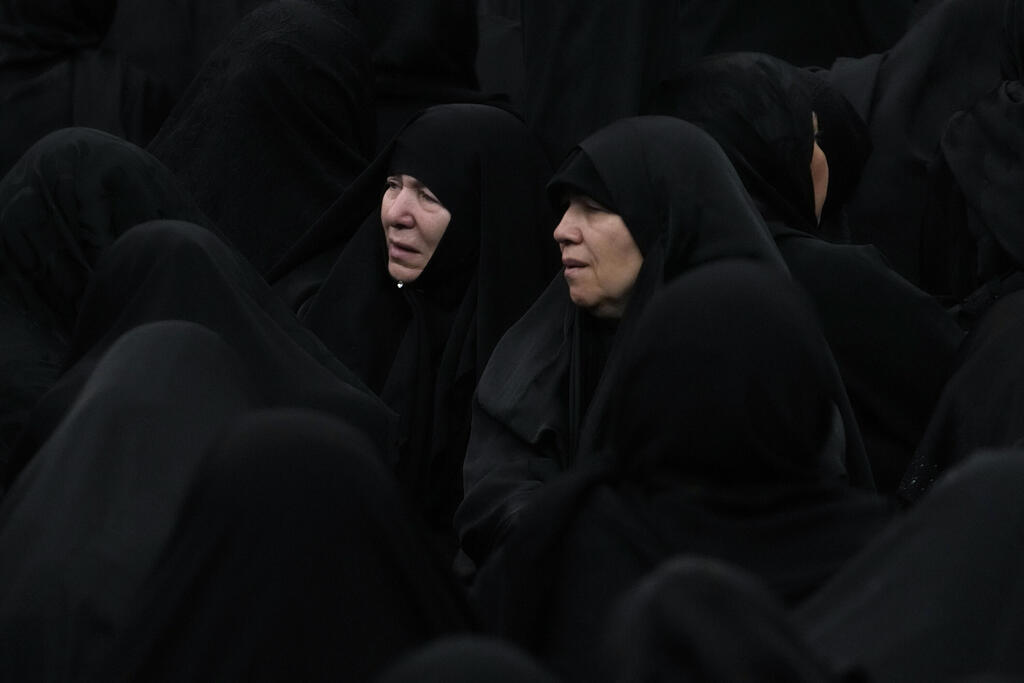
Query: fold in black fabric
(906, 95)
(725, 438)
(894, 343)
(293, 558)
(684, 206)
(423, 347)
(938, 596)
(54, 75)
(68, 198)
(276, 125)
(698, 619)
(590, 63)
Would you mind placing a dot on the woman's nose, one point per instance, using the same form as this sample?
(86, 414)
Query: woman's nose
(567, 230)
(400, 210)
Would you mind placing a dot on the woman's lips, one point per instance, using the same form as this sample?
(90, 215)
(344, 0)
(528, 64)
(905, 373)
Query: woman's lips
(572, 264)
(398, 251)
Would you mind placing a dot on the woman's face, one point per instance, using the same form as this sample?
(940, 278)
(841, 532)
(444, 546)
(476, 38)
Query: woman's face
(414, 222)
(819, 171)
(600, 257)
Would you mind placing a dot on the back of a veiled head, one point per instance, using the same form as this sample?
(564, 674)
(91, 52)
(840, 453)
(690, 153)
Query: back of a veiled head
(729, 380)
(760, 112)
(676, 192)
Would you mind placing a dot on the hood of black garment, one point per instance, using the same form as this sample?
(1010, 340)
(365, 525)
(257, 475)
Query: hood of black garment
(278, 122)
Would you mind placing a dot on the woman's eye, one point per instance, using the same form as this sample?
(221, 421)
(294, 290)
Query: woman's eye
(393, 184)
(427, 197)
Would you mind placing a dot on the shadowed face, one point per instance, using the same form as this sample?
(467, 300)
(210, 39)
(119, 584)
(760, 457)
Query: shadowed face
(414, 221)
(601, 258)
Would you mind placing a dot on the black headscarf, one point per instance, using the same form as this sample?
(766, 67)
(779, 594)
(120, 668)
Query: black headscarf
(685, 206)
(729, 435)
(894, 343)
(423, 346)
(906, 95)
(276, 125)
(53, 75)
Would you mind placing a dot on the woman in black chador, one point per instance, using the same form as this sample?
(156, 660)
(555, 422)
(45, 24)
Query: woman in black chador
(444, 243)
(893, 342)
(645, 199)
(725, 438)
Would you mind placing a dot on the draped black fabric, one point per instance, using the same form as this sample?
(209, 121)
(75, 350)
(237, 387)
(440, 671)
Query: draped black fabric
(973, 240)
(938, 596)
(172, 38)
(725, 439)
(110, 450)
(467, 659)
(894, 343)
(276, 125)
(170, 270)
(907, 95)
(53, 75)
(976, 255)
(684, 205)
(698, 619)
(424, 54)
(293, 558)
(982, 404)
(590, 63)
(67, 199)
(423, 346)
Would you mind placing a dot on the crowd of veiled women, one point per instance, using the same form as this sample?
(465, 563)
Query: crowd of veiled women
(514, 341)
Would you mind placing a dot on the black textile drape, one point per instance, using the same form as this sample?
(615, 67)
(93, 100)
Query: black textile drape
(67, 199)
(685, 206)
(725, 438)
(276, 125)
(53, 74)
(894, 343)
(937, 597)
(293, 557)
(424, 346)
(906, 95)
(591, 62)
